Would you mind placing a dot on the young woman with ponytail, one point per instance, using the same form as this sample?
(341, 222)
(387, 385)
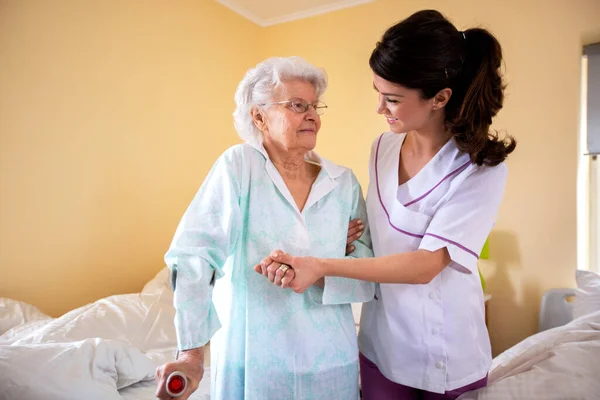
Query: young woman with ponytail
(436, 182)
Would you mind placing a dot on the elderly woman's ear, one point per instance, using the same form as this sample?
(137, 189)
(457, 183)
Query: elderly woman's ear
(258, 117)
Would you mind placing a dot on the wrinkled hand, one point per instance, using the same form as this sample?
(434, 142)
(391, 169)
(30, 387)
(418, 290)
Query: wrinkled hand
(306, 270)
(271, 269)
(355, 230)
(191, 364)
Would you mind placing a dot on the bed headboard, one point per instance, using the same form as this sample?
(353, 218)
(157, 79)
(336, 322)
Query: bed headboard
(556, 308)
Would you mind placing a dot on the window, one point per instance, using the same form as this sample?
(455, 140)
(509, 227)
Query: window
(588, 171)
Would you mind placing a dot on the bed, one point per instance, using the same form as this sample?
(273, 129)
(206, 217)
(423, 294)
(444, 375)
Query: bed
(109, 350)
(561, 361)
(105, 350)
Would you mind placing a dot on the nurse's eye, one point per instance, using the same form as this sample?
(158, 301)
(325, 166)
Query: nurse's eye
(391, 100)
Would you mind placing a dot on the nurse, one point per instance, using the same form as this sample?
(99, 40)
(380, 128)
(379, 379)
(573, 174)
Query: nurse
(436, 182)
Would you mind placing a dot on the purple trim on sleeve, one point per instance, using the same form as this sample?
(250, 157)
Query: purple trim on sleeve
(460, 246)
(438, 184)
(379, 194)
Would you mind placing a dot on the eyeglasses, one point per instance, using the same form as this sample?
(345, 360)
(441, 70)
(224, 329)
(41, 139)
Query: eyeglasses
(301, 106)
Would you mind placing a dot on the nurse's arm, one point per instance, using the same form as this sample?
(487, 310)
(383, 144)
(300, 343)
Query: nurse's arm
(414, 267)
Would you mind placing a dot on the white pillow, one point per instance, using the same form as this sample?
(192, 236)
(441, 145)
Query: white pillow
(143, 320)
(587, 299)
(13, 313)
(91, 369)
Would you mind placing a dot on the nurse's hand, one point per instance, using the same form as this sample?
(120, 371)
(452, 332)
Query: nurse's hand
(355, 230)
(191, 364)
(307, 270)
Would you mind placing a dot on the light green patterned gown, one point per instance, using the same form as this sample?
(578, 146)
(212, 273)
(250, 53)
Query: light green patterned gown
(272, 343)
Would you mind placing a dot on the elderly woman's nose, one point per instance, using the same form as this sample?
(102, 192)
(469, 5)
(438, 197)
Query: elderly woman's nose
(311, 114)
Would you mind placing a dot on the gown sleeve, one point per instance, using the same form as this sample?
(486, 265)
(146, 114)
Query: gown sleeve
(203, 241)
(339, 290)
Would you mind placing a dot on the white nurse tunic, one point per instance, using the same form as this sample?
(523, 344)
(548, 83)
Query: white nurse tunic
(433, 336)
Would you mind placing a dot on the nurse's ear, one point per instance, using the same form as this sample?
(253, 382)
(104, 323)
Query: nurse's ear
(441, 98)
(259, 118)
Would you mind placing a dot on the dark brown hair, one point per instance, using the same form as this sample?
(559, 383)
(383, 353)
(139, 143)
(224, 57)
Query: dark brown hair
(426, 52)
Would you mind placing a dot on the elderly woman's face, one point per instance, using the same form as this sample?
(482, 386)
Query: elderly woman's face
(288, 128)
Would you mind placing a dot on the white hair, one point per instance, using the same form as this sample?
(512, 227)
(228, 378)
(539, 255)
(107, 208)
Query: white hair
(259, 83)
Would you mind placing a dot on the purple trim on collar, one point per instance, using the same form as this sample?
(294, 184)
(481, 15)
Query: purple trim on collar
(379, 195)
(403, 231)
(438, 184)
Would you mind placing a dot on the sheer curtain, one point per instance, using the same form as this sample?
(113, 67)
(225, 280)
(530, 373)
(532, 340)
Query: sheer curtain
(588, 174)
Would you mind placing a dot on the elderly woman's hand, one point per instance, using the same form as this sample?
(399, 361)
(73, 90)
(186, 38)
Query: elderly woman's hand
(355, 230)
(191, 364)
(304, 273)
(278, 273)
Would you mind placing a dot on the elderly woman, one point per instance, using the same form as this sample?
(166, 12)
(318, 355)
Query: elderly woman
(271, 192)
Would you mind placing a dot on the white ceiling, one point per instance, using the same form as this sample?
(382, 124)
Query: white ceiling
(271, 12)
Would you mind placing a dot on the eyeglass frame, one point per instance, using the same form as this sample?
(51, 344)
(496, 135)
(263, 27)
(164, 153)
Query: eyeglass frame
(292, 100)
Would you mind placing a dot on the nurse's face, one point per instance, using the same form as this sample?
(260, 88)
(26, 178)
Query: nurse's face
(288, 127)
(404, 109)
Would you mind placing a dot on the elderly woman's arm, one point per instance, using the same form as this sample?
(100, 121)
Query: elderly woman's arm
(337, 290)
(334, 290)
(204, 239)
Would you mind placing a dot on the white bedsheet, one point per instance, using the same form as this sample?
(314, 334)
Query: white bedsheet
(558, 364)
(105, 350)
(110, 348)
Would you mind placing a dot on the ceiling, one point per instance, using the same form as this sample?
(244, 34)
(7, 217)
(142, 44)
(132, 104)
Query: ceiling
(271, 12)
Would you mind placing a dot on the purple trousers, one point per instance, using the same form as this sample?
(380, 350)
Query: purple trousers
(375, 386)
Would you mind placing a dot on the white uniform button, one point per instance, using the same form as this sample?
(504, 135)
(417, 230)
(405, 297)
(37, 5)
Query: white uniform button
(439, 365)
(435, 331)
(432, 296)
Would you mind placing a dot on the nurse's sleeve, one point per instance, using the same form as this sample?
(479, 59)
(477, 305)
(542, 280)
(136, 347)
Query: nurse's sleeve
(463, 223)
(344, 290)
(204, 239)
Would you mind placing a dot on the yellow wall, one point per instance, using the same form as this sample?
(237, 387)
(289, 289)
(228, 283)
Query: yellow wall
(112, 112)
(533, 246)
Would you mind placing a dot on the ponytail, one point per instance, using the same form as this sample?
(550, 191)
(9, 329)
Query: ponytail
(483, 97)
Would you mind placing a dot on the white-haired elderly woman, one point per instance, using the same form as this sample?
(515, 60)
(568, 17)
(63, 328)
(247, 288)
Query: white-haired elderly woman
(271, 192)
